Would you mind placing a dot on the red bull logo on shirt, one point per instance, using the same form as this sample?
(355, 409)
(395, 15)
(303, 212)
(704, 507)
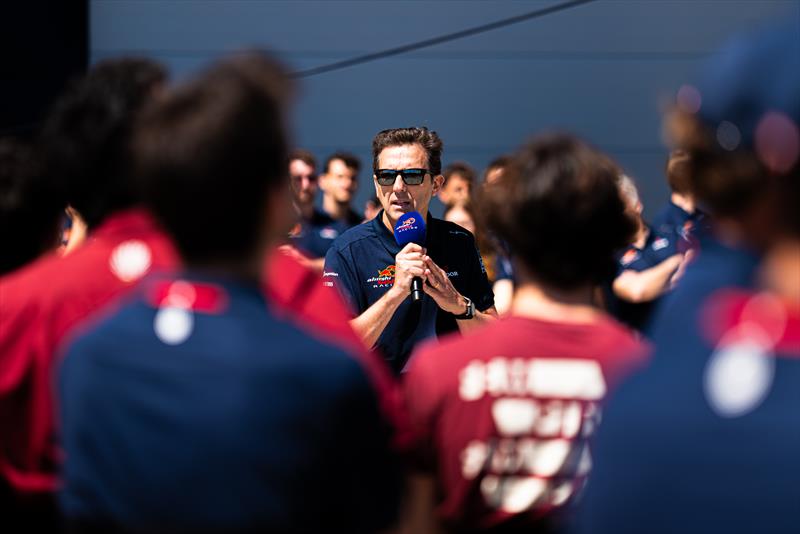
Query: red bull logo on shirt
(385, 277)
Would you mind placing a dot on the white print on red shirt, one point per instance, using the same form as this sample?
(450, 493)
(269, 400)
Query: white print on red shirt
(543, 412)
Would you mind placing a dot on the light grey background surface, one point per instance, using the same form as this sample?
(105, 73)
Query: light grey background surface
(603, 70)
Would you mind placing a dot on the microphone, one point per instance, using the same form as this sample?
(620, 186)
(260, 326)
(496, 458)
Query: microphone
(410, 228)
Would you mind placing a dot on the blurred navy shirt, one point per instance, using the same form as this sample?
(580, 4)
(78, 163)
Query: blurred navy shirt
(707, 438)
(196, 407)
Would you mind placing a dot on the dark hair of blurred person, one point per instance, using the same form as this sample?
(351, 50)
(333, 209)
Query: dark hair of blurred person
(459, 181)
(85, 141)
(716, 411)
(582, 206)
(249, 421)
(31, 210)
(86, 135)
(179, 156)
(505, 415)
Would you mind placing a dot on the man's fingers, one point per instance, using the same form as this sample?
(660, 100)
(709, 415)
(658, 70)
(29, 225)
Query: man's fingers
(436, 272)
(412, 247)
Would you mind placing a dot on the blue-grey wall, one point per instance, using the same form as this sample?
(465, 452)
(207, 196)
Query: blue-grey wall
(602, 70)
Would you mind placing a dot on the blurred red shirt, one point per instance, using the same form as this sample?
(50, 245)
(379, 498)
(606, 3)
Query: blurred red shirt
(43, 304)
(505, 415)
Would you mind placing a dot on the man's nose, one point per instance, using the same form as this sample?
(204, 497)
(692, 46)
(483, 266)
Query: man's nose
(399, 184)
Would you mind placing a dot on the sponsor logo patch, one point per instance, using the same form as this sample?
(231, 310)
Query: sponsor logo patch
(385, 277)
(661, 242)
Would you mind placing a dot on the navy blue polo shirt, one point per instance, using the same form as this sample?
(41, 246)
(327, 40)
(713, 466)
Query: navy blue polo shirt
(706, 439)
(360, 264)
(686, 228)
(318, 233)
(201, 409)
(657, 248)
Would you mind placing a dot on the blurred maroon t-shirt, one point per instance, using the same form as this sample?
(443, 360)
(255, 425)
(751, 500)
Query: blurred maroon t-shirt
(505, 415)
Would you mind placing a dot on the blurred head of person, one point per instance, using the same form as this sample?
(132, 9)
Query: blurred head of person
(495, 169)
(677, 170)
(462, 215)
(459, 180)
(416, 150)
(86, 137)
(211, 158)
(371, 208)
(740, 128)
(31, 208)
(558, 207)
(339, 182)
(303, 176)
(630, 196)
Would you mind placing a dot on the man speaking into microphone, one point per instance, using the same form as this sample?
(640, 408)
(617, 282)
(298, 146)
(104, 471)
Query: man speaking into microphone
(375, 274)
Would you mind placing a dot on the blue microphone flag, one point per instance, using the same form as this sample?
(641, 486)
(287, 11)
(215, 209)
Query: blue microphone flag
(410, 228)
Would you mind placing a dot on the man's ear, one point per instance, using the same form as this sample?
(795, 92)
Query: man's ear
(438, 183)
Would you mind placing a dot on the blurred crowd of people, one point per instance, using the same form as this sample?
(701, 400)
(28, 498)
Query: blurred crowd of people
(192, 341)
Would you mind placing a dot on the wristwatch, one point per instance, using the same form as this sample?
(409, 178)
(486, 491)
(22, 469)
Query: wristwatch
(470, 313)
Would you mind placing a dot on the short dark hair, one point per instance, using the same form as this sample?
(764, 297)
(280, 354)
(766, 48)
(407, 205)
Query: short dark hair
(559, 209)
(86, 137)
(350, 161)
(216, 145)
(460, 168)
(31, 209)
(429, 141)
(678, 169)
(303, 155)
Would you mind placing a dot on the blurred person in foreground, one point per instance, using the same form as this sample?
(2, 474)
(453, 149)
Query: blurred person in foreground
(195, 406)
(706, 439)
(31, 207)
(85, 142)
(374, 274)
(506, 414)
(459, 182)
(647, 268)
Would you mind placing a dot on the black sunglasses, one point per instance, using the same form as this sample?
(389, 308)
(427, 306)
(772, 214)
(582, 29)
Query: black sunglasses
(410, 176)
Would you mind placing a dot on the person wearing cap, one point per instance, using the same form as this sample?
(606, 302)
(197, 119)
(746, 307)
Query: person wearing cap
(706, 438)
(197, 406)
(505, 415)
(84, 142)
(374, 274)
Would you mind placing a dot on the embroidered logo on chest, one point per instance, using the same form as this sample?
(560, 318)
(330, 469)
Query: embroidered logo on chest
(385, 277)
